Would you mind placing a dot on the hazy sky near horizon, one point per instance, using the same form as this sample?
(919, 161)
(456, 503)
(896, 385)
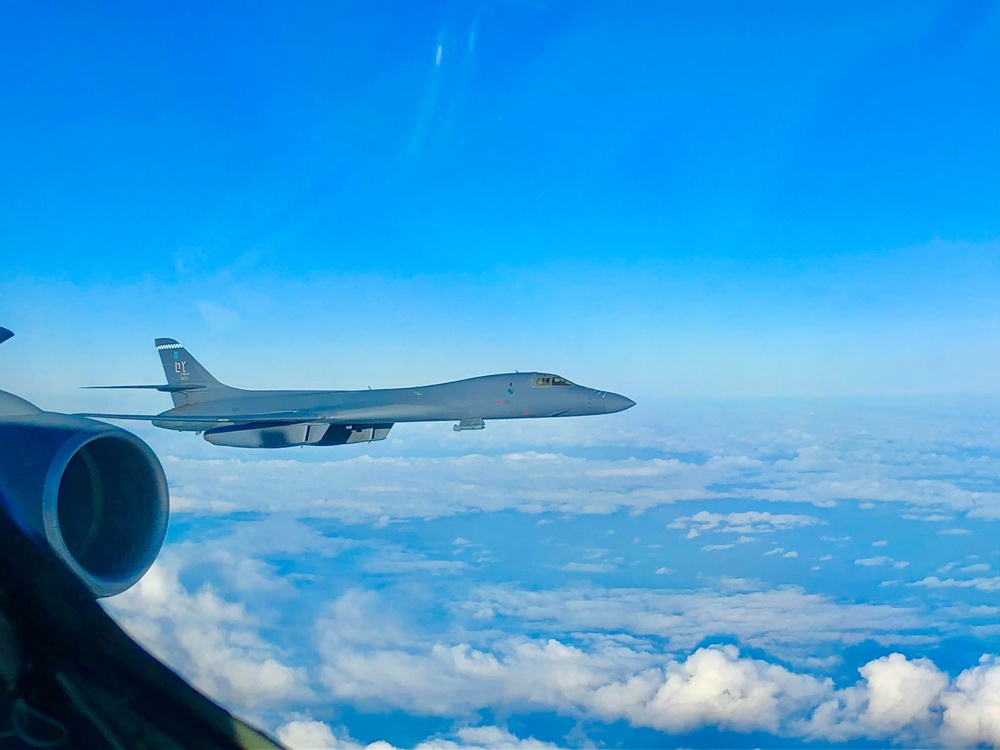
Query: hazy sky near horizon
(662, 199)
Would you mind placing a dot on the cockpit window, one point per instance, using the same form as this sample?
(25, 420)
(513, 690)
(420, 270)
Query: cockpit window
(546, 380)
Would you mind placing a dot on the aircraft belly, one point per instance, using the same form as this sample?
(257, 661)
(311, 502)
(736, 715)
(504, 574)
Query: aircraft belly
(268, 437)
(291, 435)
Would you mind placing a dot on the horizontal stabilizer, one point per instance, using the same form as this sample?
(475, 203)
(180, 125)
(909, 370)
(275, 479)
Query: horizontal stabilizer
(166, 388)
(5, 333)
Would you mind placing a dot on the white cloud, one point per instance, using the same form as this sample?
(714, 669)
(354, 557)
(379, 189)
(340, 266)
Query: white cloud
(308, 734)
(609, 682)
(785, 620)
(984, 610)
(483, 738)
(896, 699)
(980, 584)
(366, 488)
(900, 692)
(398, 560)
(972, 707)
(634, 468)
(713, 687)
(747, 522)
(871, 562)
(212, 641)
(914, 702)
(910, 701)
(578, 567)
(975, 568)
(932, 517)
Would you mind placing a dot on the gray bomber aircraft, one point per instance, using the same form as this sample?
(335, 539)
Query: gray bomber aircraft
(281, 419)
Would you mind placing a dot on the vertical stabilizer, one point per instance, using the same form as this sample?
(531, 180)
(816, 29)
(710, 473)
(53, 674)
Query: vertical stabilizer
(193, 383)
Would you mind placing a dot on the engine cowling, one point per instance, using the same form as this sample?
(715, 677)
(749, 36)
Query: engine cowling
(97, 494)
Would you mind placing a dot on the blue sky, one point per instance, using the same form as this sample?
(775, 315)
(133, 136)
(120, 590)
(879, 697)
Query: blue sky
(775, 227)
(805, 194)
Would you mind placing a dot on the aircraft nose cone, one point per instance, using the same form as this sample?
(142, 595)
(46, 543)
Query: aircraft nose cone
(615, 403)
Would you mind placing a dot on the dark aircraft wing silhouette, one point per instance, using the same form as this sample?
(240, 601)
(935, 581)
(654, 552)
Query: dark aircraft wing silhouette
(71, 677)
(83, 510)
(278, 418)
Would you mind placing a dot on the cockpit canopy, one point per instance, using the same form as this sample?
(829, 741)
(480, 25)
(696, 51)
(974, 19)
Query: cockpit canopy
(544, 381)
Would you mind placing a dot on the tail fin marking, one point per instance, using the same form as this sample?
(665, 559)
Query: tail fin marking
(188, 381)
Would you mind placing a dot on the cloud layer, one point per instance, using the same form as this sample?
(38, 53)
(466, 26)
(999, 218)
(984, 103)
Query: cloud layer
(730, 575)
(895, 699)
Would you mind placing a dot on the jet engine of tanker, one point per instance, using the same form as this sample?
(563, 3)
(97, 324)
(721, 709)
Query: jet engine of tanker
(95, 493)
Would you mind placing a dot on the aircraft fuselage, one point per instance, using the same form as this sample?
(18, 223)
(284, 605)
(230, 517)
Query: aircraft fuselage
(504, 396)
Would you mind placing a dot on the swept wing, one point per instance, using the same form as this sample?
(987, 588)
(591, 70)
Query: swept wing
(279, 417)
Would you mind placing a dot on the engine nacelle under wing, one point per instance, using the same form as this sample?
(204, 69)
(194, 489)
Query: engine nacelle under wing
(96, 494)
(293, 435)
